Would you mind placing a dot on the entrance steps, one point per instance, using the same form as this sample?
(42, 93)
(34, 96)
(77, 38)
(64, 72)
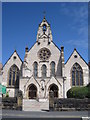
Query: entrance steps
(34, 105)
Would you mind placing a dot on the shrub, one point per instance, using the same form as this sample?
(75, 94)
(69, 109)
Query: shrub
(88, 87)
(79, 92)
(7, 94)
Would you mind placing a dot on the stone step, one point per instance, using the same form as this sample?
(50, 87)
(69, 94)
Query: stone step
(34, 105)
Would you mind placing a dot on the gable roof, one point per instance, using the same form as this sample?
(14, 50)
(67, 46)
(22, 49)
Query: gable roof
(78, 54)
(55, 79)
(44, 20)
(11, 56)
(44, 36)
(31, 78)
(37, 42)
(56, 46)
(32, 45)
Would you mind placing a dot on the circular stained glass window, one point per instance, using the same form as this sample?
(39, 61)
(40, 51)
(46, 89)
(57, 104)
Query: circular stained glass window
(44, 54)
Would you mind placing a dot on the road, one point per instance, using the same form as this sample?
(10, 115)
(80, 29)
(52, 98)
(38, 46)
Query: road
(43, 114)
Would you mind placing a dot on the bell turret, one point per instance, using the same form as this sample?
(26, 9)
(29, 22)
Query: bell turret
(44, 32)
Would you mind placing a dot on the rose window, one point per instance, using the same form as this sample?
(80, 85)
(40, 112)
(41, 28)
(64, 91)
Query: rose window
(44, 54)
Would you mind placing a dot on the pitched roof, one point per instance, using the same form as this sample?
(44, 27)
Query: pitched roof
(78, 54)
(44, 20)
(56, 46)
(11, 56)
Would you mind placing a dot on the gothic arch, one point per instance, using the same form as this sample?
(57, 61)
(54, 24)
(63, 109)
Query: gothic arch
(13, 76)
(35, 69)
(32, 91)
(54, 88)
(44, 71)
(76, 75)
(52, 68)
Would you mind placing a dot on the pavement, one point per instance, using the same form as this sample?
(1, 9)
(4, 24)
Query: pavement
(44, 114)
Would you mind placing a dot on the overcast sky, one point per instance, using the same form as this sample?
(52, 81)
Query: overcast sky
(69, 25)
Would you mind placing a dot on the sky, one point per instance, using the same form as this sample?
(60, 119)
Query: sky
(69, 26)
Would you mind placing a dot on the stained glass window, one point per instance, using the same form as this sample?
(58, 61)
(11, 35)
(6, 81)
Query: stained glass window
(73, 78)
(77, 75)
(35, 69)
(13, 76)
(52, 68)
(44, 28)
(10, 76)
(44, 71)
(44, 54)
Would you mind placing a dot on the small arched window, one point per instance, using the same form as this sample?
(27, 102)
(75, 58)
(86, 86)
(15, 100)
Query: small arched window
(77, 75)
(44, 28)
(52, 66)
(13, 76)
(35, 69)
(44, 71)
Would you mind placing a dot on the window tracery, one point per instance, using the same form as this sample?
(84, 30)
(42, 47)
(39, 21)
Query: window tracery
(44, 54)
(77, 75)
(13, 76)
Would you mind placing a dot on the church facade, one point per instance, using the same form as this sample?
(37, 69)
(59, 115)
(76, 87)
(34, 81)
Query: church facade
(43, 69)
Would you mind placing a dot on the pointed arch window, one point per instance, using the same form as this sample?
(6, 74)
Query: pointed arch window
(77, 75)
(52, 66)
(44, 27)
(44, 71)
(13, 76)
(35, 69)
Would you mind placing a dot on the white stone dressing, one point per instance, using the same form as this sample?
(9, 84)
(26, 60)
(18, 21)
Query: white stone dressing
(43, 69)
(44, 32)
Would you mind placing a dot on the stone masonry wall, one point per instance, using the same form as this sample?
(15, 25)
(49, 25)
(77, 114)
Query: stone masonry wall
(69, 104)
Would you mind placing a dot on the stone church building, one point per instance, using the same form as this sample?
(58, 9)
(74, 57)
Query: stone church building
(43, 69)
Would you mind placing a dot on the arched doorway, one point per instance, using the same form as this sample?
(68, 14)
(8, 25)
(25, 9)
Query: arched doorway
(32, 91)
(54, 88)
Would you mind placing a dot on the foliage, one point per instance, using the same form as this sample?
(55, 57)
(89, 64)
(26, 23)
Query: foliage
(7, 94)
(88, 87)
(79, 92)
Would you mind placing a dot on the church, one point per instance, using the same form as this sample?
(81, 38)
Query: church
(44, 69)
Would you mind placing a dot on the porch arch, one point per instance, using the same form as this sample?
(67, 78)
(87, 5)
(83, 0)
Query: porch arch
(32, 91)
(54, 88)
